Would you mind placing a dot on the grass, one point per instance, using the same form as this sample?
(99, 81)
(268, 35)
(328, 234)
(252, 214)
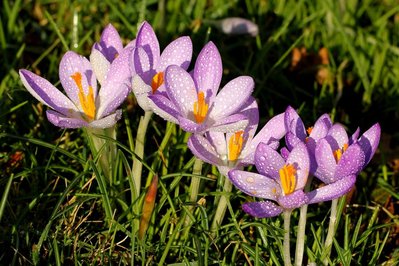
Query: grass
(53, 210)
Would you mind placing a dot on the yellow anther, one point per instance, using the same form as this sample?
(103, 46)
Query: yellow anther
(235, 145)
(157, 81)
(86, 101)
(338, 152)
(288, 178)
(309, 130)
(200, 108)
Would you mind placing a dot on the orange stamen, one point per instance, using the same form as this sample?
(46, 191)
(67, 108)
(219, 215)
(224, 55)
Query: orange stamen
(157, 81)
(338, 152)
(235, 145)
(200, 108)
(309, 130)
(288, 178)
(86, 101)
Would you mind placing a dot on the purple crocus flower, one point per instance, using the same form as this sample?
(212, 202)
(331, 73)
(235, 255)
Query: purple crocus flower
(296, 132)
(279, 181)
(340, 159)
(149, 64)
(84, 105)
(194, 102)
(231, 150)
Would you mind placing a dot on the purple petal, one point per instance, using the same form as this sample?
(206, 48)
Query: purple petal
(268, 161)
(332, 191)
(163, 107)
(230, 124)
(251, 111)
(232, 97)
(203, 149)
(178, 52)
(236, 25)
(294, 124)
(190, 126)
(70, 64)
(354, 136)
(107, 121)
(208, 70)
(321, 127)
(326, 164)
(100, 65)
(299, 157)
(62, 121)
(110, 104)
(351, 162)
(369, 141)
(338, 133)
(284, 153)
(110, 42)
(262, 209)
(140, 64)
(141, 91)
(255, 185)
(271, 133)
(293, 200)
(46, 93)
(147, 39)
(181, 90)
(292, 140)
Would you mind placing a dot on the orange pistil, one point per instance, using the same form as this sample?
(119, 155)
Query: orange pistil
(288, 178)
(86, 101)
(235, 145)
(200, 108)
(338, 152)
(157, 81)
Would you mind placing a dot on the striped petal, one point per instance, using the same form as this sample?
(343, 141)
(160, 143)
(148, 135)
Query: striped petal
(262, 209)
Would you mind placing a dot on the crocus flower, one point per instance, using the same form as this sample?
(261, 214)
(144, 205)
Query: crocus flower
(148, 64)
(194, 102)
(231, 150)
(279, 181)
(296, 132)
(84, 105)
(340, 159)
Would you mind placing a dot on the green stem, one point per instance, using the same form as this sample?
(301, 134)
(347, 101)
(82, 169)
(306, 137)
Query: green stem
(139, 150)
(331, 231)
(222, 205)
(300, 240)
(286, 245)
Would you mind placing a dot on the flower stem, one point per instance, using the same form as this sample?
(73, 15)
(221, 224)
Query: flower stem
(139, 151)
(222, 205)
(331, 232)
(286, 245)
(300, 239)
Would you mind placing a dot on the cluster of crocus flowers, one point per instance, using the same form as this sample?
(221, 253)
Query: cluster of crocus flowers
(324, 150)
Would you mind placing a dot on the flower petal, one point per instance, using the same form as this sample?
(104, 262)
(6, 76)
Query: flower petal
(107, 121)
(338, 133)
(100, 65)
(332, 191)
(268, 161)
(181, 90)
(110, 104)
(232, 97)
(229, 124)
(190, 126)
(163, 107)
(70, 64)
(262, 209)
(147, 39)
(63, 121)
(218, 141)
(255, 185)
(369, 141)
(236, 25)
(294, 124)
(178, 52)
(299, 157)
(141, 91)
(140, 64)
(110, 42)
(326, 163)
(321, 127)
(208, 70)
(351, 163)
(293, 200)
(46, 93)
(203, 149)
